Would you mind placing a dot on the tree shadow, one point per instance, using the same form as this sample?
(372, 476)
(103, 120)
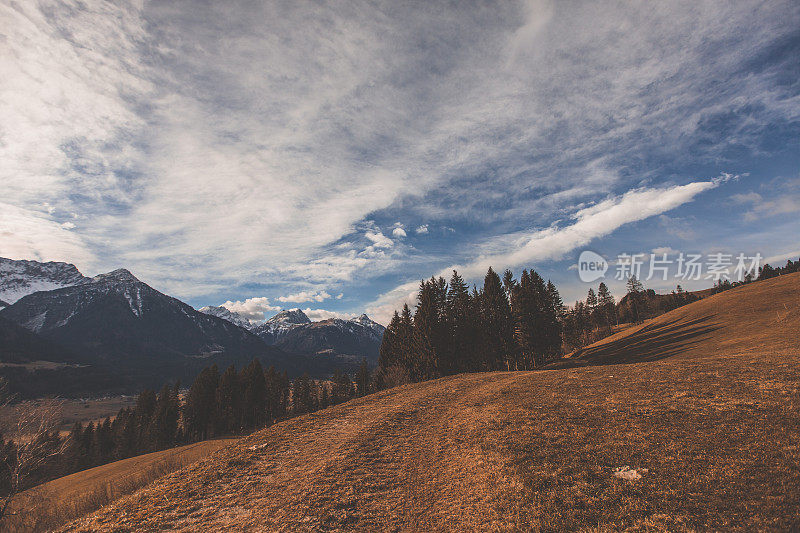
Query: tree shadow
(651, 343)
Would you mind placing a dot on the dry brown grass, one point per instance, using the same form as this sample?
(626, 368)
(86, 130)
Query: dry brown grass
(712, 414)
(55, 503)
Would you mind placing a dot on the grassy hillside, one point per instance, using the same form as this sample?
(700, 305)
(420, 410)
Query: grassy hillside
(761, 317)
(65, 498)
(702, 433)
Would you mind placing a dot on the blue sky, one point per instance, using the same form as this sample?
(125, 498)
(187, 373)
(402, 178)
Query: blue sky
(328, 156)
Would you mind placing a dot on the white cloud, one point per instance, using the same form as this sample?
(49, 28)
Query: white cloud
(305, 296)
(421, 230)
(253, 309)
(683, 229)
(590, 223)
(399, 232)
(760, 207)
(322, 314)
(553, 243)
(382, 308)
(665, 250)
(379, 240)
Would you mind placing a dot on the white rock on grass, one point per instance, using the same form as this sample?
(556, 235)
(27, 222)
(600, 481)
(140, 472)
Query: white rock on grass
(626, 472)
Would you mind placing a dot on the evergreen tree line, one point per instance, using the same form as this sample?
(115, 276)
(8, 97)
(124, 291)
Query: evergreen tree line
(764, 272)
(507, 324)
(231, 403)
(767, 271)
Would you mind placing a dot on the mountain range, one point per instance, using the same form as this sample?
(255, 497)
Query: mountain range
(292, 331)
(113, 332)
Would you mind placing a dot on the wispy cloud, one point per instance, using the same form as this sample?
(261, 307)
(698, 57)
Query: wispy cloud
(208, 146)
(553, 243)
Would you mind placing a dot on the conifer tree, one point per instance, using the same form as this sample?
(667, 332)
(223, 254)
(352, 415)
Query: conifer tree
(497, 324)
(636, 299)
(200, 411)
(607, 305)
(254, 399)
(429, 330)
(391, 352)
(460, 329)
(362, 379)
(229, 402)
(164, 423)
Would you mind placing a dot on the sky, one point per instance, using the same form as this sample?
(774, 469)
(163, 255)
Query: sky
(329, 155)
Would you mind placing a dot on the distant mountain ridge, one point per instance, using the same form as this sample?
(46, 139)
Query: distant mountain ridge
(292, 331)
(116, 321)
(65, 333)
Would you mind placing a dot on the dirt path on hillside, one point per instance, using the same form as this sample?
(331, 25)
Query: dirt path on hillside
(715, 441)
(402, 462)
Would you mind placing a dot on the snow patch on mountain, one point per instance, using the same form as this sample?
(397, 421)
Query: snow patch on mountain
(278, 326)
(226, 314)
(21, 278)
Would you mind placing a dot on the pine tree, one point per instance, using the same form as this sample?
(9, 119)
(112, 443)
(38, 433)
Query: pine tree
(607, 305)
(254, 399)
(460, 328)
(555, 318)
(591, 300)
(391, 352)
(497, 324)
(164, 424)
(429, 330)
(363, 378)
(636, 298)
(229, 402)
(200, 411)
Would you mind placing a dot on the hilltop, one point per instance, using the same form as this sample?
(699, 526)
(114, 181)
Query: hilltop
(699, 433)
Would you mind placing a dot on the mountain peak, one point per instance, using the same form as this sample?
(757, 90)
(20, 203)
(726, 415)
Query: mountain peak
(120, 274)
(291, 316)
(226, 314)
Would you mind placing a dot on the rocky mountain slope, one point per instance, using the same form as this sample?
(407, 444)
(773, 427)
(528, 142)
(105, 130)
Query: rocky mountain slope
(20, 278)
(695, 434)
(274, 329)
(358, 338)
(20, 346)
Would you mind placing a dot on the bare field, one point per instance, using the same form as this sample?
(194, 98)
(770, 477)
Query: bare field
(86, 410)
(701, 433)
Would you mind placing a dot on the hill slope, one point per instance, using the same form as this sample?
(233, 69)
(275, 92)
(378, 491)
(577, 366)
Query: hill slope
(758, 317)
(711, 433)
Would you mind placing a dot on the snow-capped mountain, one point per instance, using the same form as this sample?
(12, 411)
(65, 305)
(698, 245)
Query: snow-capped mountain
(226, 314)
(357, 338)
(364, 320)
(20, 278)
(292, 331)
(116, 320)
(274, 329)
